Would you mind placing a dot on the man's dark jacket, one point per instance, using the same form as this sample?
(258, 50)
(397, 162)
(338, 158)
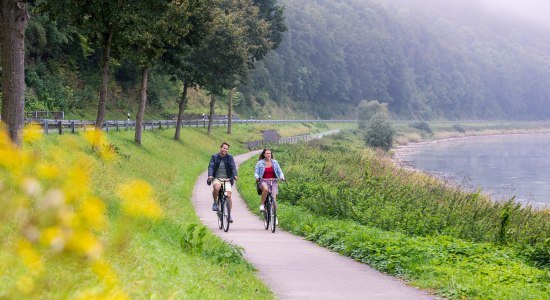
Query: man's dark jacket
(229, 162)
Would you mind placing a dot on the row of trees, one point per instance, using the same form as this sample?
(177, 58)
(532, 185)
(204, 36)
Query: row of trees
(207, 43)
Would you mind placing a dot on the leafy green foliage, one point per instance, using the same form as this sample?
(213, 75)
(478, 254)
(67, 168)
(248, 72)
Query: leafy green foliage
(373, 191)
(379, 132)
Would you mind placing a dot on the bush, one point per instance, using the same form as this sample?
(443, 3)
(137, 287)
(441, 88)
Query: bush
(459, 128)
(367, 110)
(422, 125)
(379, 133)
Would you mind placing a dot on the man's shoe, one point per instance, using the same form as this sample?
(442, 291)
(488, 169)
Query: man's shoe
(262, 207)
(215, 206)
(230, 219)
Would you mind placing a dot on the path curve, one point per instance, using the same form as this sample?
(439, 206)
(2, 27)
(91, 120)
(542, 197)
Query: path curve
(295, 268)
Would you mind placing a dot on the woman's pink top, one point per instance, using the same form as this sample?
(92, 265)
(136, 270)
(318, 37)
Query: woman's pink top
(269, 173)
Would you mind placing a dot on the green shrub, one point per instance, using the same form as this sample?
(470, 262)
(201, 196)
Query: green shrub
(422, 125)
(459, 128)
(379, 133)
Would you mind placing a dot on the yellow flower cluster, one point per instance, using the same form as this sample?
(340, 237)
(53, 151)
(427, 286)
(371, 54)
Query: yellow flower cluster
(137, 200)
(50, 210)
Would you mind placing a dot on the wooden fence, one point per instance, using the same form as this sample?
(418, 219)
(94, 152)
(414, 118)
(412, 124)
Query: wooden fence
(72, 126)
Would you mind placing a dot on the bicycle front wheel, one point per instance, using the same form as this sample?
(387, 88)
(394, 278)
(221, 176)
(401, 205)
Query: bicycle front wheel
(265, 213)
(226, 214)
(219, 215)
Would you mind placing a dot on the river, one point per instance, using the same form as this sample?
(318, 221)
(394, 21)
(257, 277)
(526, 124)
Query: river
(501, 165)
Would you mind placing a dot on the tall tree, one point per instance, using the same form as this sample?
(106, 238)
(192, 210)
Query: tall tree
(100, 22)
(222, 57)
(178, 61)
(14, 18)
(255, 36)
(148, 29)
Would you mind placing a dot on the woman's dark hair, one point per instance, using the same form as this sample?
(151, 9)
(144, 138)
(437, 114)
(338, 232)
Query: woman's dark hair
(262, 156)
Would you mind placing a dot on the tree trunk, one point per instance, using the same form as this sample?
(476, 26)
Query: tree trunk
(105, 60)
(211, 114)
(229, 111)
(14, 18)
(182, 106)
(142, 101)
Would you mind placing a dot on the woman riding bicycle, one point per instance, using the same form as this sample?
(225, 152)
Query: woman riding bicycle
(268, 168)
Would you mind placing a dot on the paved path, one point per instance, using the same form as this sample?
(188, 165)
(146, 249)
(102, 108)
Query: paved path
(295, 268)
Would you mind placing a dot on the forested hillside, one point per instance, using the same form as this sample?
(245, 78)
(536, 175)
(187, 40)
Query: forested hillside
(426, 59)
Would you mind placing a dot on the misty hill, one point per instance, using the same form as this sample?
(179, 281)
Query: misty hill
(426, 59)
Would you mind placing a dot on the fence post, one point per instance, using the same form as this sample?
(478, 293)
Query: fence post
(60, 127)
(117, 126)
(107, 126)
(72, 127)
(160, 125)
(46, 126)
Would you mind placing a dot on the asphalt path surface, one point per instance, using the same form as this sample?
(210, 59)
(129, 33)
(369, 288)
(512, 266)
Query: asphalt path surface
(292, 267)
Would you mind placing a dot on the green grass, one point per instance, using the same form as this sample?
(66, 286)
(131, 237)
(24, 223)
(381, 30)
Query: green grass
(416, 228)
(174, 257)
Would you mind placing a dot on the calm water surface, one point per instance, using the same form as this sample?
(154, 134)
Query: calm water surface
(502, 166)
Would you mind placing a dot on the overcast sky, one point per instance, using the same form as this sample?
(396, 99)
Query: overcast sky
(536, 10)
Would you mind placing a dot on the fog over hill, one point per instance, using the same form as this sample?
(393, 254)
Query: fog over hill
(429, 59)
(536, 11)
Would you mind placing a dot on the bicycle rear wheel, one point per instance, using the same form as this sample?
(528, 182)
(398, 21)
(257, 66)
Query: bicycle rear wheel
(226, 214)
(272, 215)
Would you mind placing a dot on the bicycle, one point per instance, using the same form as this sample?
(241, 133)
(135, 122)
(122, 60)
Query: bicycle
(270, 212)
(224, 211)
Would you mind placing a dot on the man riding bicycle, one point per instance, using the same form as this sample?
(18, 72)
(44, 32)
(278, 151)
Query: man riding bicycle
(221, 166)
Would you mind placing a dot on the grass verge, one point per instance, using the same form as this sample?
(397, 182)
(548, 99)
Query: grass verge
(417, 230)
(169, 256)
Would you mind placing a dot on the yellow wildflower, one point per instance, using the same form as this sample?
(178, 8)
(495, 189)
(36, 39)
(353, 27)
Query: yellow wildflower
(137, 200)
(25, 284)
(85, 243)
(92, 212)
(110, 294)
(32, 133)
(29, 256)
(104, 271)
(53, 237)
(47, 171)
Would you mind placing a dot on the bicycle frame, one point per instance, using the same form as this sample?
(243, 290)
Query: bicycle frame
(224, 211)
(270, 213)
